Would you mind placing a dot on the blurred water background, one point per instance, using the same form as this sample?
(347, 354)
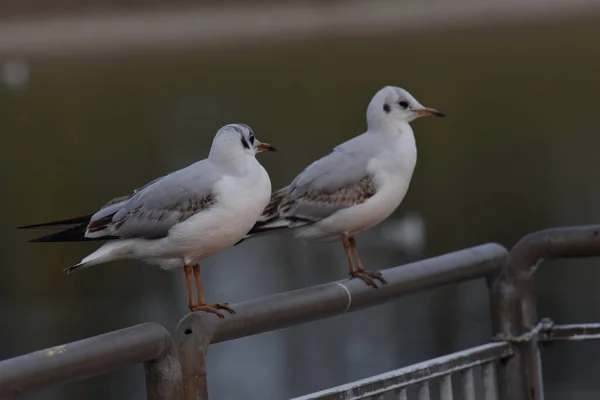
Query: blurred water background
(518, 152)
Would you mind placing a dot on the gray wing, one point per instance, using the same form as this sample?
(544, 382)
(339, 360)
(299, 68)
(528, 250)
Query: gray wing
(153, 209)
(334, 182)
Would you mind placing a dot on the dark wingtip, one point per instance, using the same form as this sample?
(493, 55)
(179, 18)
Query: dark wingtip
(39, 240)
(57, 224)
(75, 234)
(30, 226)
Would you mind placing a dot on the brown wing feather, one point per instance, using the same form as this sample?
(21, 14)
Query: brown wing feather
(344, 197)
(285, 211)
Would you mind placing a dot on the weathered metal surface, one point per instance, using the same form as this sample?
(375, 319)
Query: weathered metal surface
(415, 374)
(317, 302)
(513, 313)
(147, 343)
(401, 394)
(446, 392)
(468, 384)
(193, 336)
(423, 391)
(572, 332)
(197, 330)
(514, 307)
(490, 385)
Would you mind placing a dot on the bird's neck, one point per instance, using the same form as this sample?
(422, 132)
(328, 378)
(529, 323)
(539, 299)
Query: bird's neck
(391, 129)
(234, 163)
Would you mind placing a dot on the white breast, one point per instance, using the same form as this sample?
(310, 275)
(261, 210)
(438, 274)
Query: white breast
(240, 202)
(392, 170)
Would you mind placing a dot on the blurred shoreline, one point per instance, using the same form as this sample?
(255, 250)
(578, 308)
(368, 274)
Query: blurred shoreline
(96, 32)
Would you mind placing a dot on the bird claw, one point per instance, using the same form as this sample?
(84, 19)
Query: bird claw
(369, 277)
(223, 306)
(212, 308)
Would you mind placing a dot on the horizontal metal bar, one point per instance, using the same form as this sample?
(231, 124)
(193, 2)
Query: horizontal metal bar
(416, 373)
(313, 303)
(197, 330)
(149, 342)
(571, 332)
(572, 241)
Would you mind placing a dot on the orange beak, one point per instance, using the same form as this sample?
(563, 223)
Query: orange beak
(265, 147)
(429, 112)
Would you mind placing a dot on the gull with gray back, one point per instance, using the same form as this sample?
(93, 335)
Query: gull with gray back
(179, 219)
(356, 186)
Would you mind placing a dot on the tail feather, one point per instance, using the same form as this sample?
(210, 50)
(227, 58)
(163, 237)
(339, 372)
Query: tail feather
(271, 218)
(111, 251)
(85, 219)
(75, 232)
(274, 217)
(74, 268)
(273, 225)
(262, 227)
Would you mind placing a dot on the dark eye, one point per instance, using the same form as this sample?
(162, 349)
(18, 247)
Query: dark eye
(251, 138)
(386, 108)
(403, 104)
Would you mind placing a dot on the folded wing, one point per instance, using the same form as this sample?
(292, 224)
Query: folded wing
(334, 182)
(149, 212)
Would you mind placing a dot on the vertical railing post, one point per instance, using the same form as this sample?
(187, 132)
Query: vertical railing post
(163, 375)
(505, 323)
(514, 314)
(513, 302)
(529, 349)
(193, 336)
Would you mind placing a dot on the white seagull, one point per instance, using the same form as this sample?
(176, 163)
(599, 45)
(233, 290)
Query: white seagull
(356, 186)
(179, 219)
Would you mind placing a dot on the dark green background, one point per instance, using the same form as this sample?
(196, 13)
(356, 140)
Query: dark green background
(518, 152)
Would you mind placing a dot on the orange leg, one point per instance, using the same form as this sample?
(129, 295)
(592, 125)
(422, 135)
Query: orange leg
(367, 276)
(346, 242)
(198, 283)
(352, 271)
(188, 280)
(202, 306)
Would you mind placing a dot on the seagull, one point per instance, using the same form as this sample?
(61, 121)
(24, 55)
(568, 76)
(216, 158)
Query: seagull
(356, 186)
(179, 219)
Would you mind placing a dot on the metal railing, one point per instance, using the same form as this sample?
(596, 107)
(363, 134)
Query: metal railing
(513, 305)
(421, 375)
(197, 331)
(147, 343)
(176, 367)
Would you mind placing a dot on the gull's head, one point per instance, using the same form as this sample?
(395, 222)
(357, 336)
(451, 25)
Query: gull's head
(393, 105)
(239, 138)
